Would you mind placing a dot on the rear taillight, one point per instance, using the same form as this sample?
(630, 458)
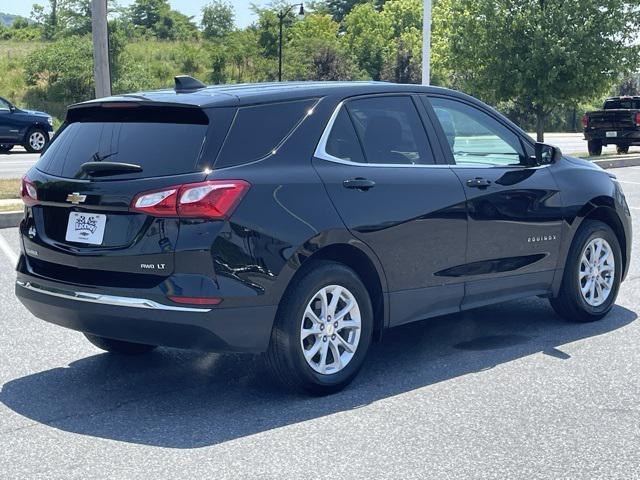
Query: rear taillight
(28, 192)
(585, 121)
(215, 199)
(637, 119)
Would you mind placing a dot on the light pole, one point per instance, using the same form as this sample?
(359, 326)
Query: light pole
(281, 16)
(426, 42)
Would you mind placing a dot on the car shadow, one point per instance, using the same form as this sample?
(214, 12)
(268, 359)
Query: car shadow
(182, 399)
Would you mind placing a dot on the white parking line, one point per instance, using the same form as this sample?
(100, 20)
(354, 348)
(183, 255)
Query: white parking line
(629, 182)
(8, 251)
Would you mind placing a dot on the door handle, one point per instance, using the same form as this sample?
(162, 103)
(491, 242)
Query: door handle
(478, 182)
(359, 183)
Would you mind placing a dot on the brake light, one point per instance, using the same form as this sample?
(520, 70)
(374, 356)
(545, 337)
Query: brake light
(28, 192)
(637, 119)
(215, 199)
(585, 121)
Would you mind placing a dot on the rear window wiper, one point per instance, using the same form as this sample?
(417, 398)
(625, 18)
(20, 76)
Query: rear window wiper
(96, 169)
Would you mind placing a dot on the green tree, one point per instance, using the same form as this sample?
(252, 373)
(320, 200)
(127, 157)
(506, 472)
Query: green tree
(339, 9)
(314, 51)
(60, 73)
(367, 37)
(218, 19)
(155, 18)
(538, 54)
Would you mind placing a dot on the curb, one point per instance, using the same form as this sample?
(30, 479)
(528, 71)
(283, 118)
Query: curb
(618, 162)
(10, 219)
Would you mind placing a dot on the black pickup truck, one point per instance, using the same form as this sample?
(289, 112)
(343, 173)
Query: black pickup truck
(618, 123)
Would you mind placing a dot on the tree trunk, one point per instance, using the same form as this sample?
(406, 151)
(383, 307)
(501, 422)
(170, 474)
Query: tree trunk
(540, 118)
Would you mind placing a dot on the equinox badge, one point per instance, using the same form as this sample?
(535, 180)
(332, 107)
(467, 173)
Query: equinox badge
(76, 198)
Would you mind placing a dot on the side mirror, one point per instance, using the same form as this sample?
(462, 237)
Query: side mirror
(547, 154)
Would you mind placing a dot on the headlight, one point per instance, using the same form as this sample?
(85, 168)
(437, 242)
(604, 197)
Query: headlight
(50, 120)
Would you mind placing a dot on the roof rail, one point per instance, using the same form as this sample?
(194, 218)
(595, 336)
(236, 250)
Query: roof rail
(186, 83)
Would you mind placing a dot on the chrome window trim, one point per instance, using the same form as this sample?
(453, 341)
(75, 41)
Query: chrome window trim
(321, 153)
(107, 299)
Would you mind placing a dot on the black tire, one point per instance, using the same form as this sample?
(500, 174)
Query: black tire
(5, 148)
(285, 356)
(622, 149)
(119, 346)
(27, 143)
(570, 303)
(595, 147)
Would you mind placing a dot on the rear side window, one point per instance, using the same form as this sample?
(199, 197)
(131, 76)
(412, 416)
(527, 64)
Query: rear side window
(343, 142)
(154, 142)
(390, 130)
(258, 130)
(622, 103)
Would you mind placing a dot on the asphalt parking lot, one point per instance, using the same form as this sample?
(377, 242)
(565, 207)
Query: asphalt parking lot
(508, 391)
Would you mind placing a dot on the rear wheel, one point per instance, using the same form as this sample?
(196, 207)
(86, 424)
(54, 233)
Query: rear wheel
(37, 139)
(119, 346)
(595, 147)
(323, 330)
(5, 148)
(622, 149)
(592, 274)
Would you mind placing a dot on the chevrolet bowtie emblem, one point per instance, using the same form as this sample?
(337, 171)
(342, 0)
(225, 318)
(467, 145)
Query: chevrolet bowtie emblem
(76, 198)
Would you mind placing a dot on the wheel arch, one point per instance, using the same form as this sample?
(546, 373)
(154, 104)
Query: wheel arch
(366, 267)
(602, 209)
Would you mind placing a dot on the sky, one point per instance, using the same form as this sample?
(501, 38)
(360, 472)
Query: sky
(244, 15)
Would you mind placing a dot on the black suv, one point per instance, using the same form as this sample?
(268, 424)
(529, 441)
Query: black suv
(30, 129)
(303, 219)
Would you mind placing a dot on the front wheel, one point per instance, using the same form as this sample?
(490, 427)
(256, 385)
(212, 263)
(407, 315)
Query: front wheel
(592, 274)
(119, 346)
(323, 330)
(37, 139)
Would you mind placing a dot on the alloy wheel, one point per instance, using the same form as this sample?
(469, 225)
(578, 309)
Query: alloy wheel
(596, 273)
(330, 329)
(37, 141)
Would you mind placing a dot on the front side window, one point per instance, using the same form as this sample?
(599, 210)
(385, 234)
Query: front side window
(476, 138)
(4, 105)
(390, 130)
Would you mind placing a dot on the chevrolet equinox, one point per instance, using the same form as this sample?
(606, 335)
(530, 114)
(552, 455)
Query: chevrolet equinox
(303, 219)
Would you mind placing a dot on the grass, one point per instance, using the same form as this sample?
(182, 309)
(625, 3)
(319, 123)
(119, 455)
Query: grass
(10, 189)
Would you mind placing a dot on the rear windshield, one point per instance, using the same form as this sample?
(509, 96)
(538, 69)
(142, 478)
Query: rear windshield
(623, 103)
(160, 147)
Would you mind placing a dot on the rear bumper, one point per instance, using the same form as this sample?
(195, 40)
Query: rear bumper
(140, 320)
(624, 137)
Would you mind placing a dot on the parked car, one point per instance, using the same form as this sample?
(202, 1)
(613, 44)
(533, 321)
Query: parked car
(618, 123)
(28, 128)
(304, 219)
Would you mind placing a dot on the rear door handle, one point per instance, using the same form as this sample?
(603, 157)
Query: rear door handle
(359, 183)
(478, 182)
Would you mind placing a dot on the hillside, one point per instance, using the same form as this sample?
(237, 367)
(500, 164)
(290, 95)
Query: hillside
(6, 19)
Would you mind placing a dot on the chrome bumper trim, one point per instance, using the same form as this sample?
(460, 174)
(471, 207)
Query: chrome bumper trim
(107, 299)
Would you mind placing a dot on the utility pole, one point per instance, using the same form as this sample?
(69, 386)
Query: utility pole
(101, 71)
(426, 42)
